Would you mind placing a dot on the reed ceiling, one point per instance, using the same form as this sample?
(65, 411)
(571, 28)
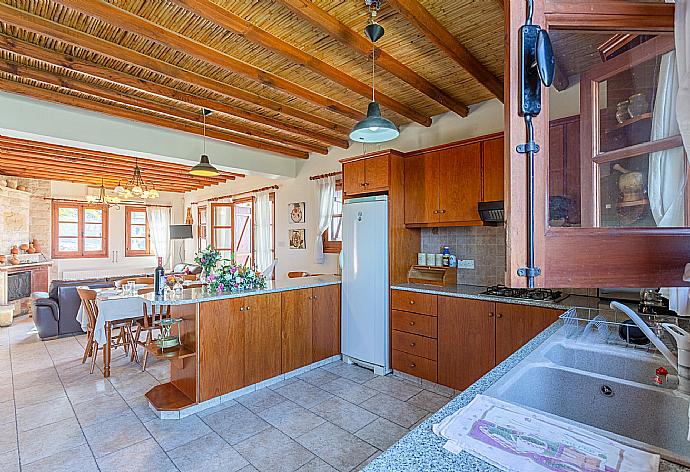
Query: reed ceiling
(289, 77)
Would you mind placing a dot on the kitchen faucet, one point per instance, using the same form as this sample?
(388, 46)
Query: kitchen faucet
(682, 362)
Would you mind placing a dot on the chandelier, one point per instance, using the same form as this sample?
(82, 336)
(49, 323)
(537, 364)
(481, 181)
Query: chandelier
(103, 199)
(136, 187)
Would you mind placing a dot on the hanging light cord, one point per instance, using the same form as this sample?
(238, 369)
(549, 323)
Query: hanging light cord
(203, 112)
(373, 72)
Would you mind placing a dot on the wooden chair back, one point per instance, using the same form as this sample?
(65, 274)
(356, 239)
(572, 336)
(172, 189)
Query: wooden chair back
(88, 300)
(136, 280)
(156, 313)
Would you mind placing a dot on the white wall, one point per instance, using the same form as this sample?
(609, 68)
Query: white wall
(484, 118)
(116, 262)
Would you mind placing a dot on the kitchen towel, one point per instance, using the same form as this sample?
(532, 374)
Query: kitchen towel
(515, 439)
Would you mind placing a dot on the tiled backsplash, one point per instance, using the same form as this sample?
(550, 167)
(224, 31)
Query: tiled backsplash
(485, 244)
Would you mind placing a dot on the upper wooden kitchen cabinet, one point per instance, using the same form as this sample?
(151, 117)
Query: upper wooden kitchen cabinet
(363, 176)
(444, 185)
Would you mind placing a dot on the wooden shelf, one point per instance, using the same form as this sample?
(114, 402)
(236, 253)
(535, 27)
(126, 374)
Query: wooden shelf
(167, 397)
(178, 352)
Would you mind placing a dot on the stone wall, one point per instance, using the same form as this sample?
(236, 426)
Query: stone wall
(26, 215)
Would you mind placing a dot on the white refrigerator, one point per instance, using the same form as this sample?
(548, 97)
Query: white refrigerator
(365, 283)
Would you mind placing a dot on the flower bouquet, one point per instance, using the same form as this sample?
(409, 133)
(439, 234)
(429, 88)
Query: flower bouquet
(235, 278)
(207, 259)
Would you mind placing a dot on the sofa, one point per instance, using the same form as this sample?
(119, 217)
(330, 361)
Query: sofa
(55, 312)
(191, 269)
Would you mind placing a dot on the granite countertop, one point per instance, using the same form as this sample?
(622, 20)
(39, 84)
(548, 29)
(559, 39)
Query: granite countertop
(198, 295)
(422, 451)
(475, 292)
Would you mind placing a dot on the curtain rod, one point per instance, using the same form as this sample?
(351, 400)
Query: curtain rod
(323, 176)
(232, 195)
(121, 203)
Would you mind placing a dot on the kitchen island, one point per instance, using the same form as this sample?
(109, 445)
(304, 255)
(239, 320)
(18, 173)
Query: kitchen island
(232, 343)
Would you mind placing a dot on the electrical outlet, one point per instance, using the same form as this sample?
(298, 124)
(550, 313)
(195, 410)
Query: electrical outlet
(466, 264)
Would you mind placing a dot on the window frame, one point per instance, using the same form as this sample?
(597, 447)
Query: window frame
(329, 246)
(214, 227)
(201, 227)
(129, 252)
(80, 253)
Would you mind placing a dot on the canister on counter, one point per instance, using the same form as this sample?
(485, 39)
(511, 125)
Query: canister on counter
(421, 259)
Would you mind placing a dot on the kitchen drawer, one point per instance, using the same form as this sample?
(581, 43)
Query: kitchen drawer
(414, 365)
(415, 302)
(414, 344)
(414, 323)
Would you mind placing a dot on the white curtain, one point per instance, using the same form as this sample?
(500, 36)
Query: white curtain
(159, 227)
(325, 193)
(682, 30)
(262, 232)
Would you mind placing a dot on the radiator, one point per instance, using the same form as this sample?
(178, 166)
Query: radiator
(102, 274)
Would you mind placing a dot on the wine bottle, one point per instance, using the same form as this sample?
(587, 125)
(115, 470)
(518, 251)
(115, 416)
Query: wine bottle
(159, 279)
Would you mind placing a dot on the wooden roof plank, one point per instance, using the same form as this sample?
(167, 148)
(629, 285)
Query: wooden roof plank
(238, 25)
(117, 96)
(75, 64)
(27, 21)
(128, 21)
(158, 120)
(432, 29)
(331, 26)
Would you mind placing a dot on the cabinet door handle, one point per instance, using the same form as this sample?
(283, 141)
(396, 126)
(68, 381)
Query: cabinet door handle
(442, 211)
(411, 302)
(241, 308)
(498, 315)
(413, 365)
(491, 315)
(247, 308)
(436, 212)
(411, 323)
(413, 344)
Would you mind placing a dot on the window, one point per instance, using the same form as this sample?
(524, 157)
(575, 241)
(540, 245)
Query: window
(231, 229)
(79, 230)
(221, 228)
(332, 237)
(201, 228)
(137, 241)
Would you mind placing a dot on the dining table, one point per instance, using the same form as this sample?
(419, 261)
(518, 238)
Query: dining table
(113, 305)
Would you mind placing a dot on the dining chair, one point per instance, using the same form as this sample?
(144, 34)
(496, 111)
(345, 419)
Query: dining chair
(136, 280)
(148, 323)
(124, 338)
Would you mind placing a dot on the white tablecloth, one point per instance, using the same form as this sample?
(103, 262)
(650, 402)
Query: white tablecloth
(112, 306)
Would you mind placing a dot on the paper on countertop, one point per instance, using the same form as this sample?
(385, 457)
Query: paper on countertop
(515, 439)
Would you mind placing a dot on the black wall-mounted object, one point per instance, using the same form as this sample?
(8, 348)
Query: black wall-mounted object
(537, 65)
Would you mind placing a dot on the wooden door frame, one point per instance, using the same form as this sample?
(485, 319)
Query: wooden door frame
(632, 256)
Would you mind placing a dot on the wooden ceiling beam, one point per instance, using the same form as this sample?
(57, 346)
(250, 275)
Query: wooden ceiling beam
(67, 62)
(15, 170)
(143, 117)
(105, 171)
(149, 105)
(334, 28)
(36, 146)
(434, 31)
(123, 172)
(132, 23)
(36, 24)
(220, 16)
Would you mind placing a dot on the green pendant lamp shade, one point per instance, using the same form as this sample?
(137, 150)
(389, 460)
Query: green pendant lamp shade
(374, 128)
(204, 167)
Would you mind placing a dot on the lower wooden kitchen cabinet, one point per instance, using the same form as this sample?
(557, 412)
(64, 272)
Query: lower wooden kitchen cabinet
(311, 326)
(455, 341)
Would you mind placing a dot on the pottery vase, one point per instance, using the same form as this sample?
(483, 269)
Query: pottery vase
(14, 260)
(32, 249)
(24, 247)
(14, 250)
(37, 246)
(3, 259)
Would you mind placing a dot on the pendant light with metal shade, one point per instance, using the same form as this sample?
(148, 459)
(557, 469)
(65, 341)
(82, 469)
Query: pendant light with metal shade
(374, 128)
(204, 167)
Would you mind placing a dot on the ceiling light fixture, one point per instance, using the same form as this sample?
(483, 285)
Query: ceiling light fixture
(374, 128)
(204, 167)
(103, 199)
(136, 187)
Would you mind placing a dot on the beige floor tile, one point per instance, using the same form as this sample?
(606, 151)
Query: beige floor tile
(304, 394)
(100, 408)
(394, 410)
(143, 456)
(350, 371)
(371, 459)
(209, 453)
(381, 433)
(7, 412)
(317, 377)
(349, 390)
(394, 387)
(428, 401)
(9, 461)
(41, 377)
(140, 407)
(316, 465)
(337, 447)
(344, 414)
(8, 437)
(71, 460)
(119, 432)
(216, 409)
(235, 424)
(291, 419)
(48, 440)
(274, 451)
(38, 394)
(41, 414)
(260, 400)
(283, 383)
(88, 388)
(170, 434)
